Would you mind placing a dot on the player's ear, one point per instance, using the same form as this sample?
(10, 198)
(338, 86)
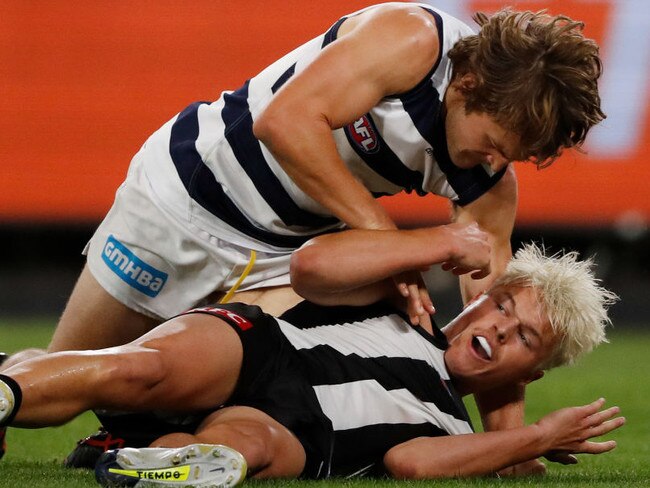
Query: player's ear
(468, 82)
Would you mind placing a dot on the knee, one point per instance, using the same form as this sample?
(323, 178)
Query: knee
(254, 442)
(138, 370)
(21, 356)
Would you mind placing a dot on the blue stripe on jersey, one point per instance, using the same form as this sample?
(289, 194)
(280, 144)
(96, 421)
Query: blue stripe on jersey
(424, 106)
(330, 35)
(202, 186)
(247, 150)
(469, 184)
(381, 158)
(283, 78)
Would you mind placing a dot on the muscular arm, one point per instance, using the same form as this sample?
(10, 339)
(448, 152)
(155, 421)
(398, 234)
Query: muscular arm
(383, 51)
(495, 213)
(352, 267)
(567, 430)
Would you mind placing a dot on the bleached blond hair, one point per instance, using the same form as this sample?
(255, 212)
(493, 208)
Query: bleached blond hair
(571, 295)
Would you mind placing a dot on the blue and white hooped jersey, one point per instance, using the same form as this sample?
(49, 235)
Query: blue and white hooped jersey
(206, 162)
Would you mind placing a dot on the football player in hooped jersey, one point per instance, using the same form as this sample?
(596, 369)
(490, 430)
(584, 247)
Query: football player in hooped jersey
(395, 97)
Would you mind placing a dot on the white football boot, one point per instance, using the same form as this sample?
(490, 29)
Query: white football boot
(193, 466)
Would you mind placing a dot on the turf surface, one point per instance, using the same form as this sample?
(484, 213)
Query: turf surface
(617, 371)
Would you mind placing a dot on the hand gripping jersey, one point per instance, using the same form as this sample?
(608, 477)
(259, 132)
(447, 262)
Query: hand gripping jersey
(206, 165)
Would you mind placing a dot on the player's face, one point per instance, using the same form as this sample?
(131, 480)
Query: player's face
(506, 339)
(476, 138)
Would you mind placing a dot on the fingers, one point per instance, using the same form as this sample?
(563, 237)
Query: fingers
(573, 428)
(427, 303)
(482, 273)
(418, 303)
(594, 406)
(587, 447)
(606, 427)
(561, 457)
(596, 447)
(599, 422)
(600, 416)
(403, 289)
(457, 270)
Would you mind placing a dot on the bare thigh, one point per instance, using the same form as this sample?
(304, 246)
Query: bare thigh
(93, 319)
(190, 363)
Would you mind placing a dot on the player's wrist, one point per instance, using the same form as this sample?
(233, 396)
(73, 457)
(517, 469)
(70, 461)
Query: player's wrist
(541, 436)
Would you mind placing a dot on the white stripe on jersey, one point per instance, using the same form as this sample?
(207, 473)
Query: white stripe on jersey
(387, 336)
(407, 144)
(346, 405)
(218, 156)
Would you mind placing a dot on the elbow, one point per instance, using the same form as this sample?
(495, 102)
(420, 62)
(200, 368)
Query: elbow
(270, 125)
(400, 465)
(305, 270)
(262, 126)
(415, 463)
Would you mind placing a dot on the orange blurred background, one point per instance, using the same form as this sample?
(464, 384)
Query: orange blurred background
(84, 83)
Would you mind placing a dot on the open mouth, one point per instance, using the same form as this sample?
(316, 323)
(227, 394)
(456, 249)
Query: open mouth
(482, 347)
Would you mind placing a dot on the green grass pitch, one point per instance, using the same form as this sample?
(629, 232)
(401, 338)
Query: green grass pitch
(619, 371)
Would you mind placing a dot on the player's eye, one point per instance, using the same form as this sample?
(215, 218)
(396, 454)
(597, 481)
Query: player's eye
(524, 339)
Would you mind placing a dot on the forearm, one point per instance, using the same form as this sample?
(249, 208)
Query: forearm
(495, 213)
(349, 260)
(303, 145)
(568, 430)
(363, 295)
(464, 455)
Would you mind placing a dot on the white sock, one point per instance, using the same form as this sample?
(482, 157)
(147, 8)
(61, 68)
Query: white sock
(7, 401)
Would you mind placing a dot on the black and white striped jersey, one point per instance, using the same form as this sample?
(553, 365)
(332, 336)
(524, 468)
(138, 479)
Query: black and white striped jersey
(349, 382)
(206, 165)
(378, 379)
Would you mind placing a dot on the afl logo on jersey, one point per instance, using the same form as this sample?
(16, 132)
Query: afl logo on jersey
(363, 134)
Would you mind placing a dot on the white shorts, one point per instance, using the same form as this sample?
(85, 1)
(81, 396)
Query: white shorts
(158, 265)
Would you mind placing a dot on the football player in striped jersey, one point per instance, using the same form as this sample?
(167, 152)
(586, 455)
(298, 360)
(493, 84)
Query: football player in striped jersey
(334, 391)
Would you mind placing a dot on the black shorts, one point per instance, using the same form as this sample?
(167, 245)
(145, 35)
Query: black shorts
(270, 380)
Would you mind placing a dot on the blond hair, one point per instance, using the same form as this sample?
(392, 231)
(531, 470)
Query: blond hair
(536, 75)
(570, 294)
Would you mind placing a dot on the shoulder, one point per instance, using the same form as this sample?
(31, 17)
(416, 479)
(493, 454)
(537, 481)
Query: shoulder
(408, 24)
